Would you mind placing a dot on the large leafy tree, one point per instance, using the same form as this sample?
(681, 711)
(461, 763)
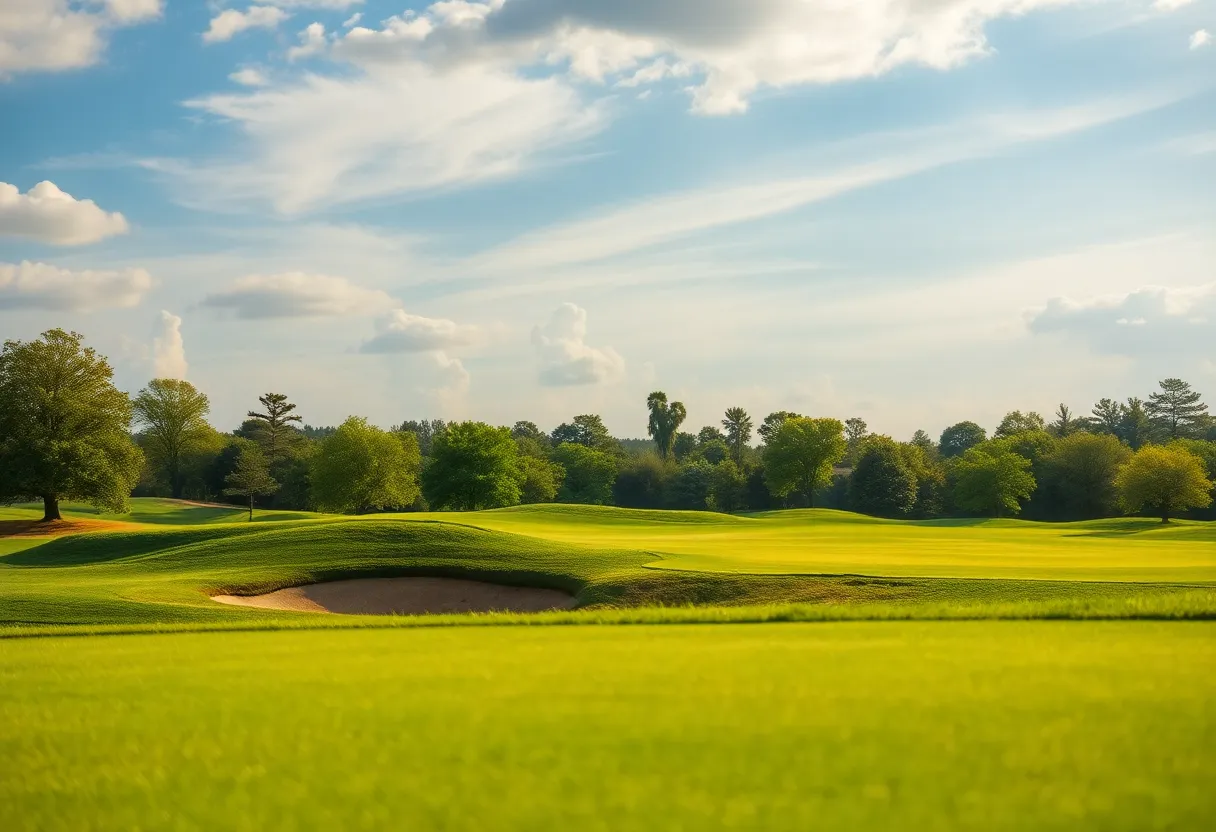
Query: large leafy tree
(855, 430)
(251, 477)
(727, 487)
(882, 483)
(424, 432)
(1079, 474)
(587, 430)
(956, 439)
(173, 415)
(541, 479)
(1177, 410)
(275, 433)
(361, 468)
(1135, 426)
(589, 474)
(773, 421)
(642, 481)
(1168, 480)
(665, 421)
(64, 427)
(800, 455)
(473, 466)
(1016, 422)
(992, 479)
(738, 427)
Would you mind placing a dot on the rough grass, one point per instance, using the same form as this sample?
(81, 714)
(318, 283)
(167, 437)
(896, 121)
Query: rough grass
(857, 726)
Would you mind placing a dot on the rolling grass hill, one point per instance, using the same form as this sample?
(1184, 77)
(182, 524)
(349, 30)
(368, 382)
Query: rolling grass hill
(163, 569)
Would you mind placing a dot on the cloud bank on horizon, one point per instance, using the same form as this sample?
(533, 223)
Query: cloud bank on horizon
(900, 209)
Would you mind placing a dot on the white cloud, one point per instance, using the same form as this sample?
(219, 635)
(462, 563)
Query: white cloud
(1200, 39)
(231, 22)
(48, 215)
(168, 348)
(41, 286)
(51, 35)
(249, 77)
(1171, 5)
(298, 295)
(312, 42)
(352, 20)
(1149, 322)
(564, 355)
(326, 141)
(401, 332)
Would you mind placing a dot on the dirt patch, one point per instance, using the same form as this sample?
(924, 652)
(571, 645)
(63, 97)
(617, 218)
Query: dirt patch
(405, 596)
(59, 528)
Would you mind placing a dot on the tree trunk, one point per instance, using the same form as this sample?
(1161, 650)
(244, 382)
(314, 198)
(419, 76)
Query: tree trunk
(251, 507)
(50, 508)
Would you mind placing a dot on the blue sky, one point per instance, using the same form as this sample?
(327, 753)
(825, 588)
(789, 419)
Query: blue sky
(916, 212)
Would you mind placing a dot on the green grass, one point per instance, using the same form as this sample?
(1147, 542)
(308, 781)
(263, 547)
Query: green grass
(164, 573)
(158, 511)
(849, 726)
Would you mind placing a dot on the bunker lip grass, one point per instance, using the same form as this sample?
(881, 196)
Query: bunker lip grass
(405, 596)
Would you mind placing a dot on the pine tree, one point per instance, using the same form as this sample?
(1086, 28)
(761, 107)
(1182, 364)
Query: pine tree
(1177, 409)
(251, 477)
(276, 430)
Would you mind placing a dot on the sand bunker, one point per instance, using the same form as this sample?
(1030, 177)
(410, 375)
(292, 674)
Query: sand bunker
(405, 596)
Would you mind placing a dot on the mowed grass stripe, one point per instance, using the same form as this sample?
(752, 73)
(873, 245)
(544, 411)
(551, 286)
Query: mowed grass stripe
(985, 726)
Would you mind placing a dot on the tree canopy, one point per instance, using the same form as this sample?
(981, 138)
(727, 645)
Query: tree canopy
(992, 479)
(956, 439)
(361, 468)
(173, 415)
(665, 421)
(800, 455)
(275, 434)
(1167, 479)
(589, 474)
(473, 466)
(1177, 410)
(738, 427)
(882, 483)
(64, 427)
(251, 477)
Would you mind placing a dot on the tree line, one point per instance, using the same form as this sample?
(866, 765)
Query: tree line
(66, 433)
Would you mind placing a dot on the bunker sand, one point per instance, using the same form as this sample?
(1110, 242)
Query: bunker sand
(405, 596)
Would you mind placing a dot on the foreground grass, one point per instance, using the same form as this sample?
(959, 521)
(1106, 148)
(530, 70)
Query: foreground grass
(912, 725)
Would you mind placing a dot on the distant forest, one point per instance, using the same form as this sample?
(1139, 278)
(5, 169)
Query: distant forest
(67, 433)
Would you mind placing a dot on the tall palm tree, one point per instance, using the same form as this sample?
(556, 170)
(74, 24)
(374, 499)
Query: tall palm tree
(665, 420)
(738, 432)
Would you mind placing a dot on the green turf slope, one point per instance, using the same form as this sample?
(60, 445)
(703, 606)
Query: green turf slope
(992, 726)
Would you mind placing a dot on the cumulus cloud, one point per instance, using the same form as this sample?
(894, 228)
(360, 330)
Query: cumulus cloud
(231, 22)
(51, 35)
(41, 286)
(401, 332)
(168, 348)
(312, 42)
(564, 355)
(1154, 320)
(1200, 39)
(49, 215)
(249, 77)
(297, 295)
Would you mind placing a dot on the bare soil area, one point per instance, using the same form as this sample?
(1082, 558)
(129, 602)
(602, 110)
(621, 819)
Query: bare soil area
(405, 596)
(58, 528)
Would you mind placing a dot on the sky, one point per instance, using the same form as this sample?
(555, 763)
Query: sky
(912, 211)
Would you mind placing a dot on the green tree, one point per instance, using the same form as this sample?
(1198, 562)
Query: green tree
(957, 439)
(855, 430)
(64, 427)
(882, 483)
(1135, 427)
(713, 451)
(473, 466)
(275, 434)
(709, 433)
(1065, 422)
(1079, 474)
(1169, 480)
(991, 479)
(727, 487)
(800, 455)
(528, 430)
(773, 421)
(1016, 422)
(361, 468)
(684, 446)
(690, 485)
(1107, 416)
(424, 432)
(642, 482)
(589, 474)
(251, 477)
(738, 426)
(665, 421)
(1177, 410)
(541, 479)
(173, 414)
(922, 440)
(587, 430)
